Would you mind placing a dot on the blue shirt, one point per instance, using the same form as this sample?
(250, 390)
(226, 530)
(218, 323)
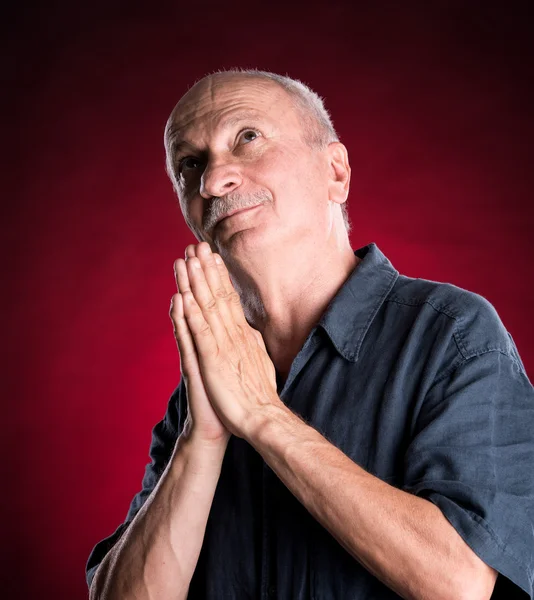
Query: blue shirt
(419, 383)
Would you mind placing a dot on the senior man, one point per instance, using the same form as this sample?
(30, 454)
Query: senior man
(339, 430)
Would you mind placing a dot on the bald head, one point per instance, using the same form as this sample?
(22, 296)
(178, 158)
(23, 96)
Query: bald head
(214, 88)
(317, 129)
(220, 102)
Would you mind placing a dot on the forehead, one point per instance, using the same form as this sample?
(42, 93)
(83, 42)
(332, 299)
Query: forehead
(216, 101)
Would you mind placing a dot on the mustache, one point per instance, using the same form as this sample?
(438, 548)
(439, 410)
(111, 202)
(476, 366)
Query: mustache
(220, 205)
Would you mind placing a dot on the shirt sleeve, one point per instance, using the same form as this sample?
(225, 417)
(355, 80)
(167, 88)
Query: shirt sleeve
(164, 436)
(472, 455)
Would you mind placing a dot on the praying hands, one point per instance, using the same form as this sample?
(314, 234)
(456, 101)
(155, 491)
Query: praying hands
(229, 375)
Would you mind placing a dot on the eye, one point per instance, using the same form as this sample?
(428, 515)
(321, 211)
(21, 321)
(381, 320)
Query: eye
(248, 135)
(189, 163)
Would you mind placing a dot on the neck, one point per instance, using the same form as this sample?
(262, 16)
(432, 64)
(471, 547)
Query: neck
(284, 294)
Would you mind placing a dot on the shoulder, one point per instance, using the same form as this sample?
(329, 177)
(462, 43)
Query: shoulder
(475, 323)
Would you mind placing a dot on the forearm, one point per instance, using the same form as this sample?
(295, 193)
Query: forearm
(404, 540)
(158, 553)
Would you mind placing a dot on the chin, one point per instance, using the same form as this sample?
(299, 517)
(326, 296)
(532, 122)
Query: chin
(248, 240)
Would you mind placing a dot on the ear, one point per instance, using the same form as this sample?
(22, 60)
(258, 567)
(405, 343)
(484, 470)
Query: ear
(339, 171)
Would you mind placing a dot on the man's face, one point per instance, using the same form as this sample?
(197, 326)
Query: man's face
(238, 143)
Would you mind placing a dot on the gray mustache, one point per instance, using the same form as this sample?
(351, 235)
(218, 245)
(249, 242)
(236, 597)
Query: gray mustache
(233, 201)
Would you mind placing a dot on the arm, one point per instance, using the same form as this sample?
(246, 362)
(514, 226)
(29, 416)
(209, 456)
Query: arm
(157, 554)
(402, 539)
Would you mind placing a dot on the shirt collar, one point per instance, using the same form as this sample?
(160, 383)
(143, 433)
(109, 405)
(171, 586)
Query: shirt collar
(352, 310)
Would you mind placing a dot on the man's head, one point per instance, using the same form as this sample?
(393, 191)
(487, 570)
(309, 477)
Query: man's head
(242, 139)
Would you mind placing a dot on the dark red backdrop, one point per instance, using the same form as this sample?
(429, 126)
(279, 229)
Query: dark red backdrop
(434, 103)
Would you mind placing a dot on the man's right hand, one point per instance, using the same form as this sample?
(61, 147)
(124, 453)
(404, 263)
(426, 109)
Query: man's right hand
(202, 421)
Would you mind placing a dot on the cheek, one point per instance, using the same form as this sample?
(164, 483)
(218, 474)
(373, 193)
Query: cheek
(192, 207)
(298, 179)
(297, 182)
(280, 171)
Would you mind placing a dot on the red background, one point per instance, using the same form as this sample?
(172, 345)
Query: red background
(434, 102)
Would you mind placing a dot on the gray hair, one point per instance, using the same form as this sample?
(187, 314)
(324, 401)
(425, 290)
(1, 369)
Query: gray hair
(317, 123)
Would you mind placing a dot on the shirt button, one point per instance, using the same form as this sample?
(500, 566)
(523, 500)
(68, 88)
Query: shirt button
(272, 591)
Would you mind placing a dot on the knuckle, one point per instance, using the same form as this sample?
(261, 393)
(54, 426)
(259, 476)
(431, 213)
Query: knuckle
(211, 305)
(234, 298)
(221, 294)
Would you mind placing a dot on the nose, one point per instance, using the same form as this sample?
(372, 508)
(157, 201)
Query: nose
(219, 179)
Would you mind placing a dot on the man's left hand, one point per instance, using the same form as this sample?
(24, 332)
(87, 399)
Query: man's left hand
(238, 374)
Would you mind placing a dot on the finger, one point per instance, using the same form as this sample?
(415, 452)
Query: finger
(233, 299)
(213, 278)
(205, 300)
(190, 251)
(182, 277)
(184, 339)
(203, 337)
(233, 302)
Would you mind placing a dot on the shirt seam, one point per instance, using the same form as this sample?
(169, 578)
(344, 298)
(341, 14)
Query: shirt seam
(456, 334)
(457, 365)
(417, 302)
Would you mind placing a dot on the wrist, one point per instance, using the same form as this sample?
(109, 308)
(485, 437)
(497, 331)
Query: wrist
(200, 452)
(261, 422)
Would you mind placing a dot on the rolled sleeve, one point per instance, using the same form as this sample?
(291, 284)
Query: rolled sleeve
(472, 454)
(164, 436)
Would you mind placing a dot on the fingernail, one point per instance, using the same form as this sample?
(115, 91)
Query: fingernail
(218, 259)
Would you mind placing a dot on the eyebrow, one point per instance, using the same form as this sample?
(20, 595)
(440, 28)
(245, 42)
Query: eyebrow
(177, 145)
